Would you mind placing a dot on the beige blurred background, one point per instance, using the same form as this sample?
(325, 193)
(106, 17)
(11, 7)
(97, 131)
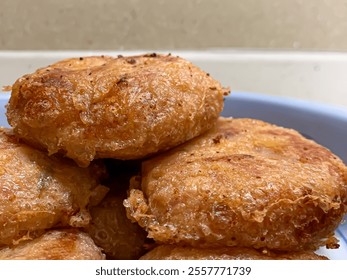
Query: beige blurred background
(173, 24)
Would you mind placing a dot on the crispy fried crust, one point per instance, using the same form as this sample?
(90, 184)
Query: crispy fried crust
(38, 192)
(110, 228)
(112, 231)
(105, 107)
(244, 183)
(172, 252)
(55, 245)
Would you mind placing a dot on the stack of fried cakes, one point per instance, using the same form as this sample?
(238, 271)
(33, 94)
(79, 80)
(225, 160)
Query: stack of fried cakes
(123, 157)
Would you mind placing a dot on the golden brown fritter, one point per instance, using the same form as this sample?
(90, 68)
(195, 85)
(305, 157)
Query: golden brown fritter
(172, 252)
(110, 228)
(114, 232)
(244, 183)
(38, 192)
(105, 107)
(55, 245)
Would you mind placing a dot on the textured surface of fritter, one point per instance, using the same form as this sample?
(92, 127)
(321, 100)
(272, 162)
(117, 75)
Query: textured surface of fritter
(55, 245)
(110, 228)
(114, 232)
(172, 252)
(244, 183)
(105, 107)
(38, 192)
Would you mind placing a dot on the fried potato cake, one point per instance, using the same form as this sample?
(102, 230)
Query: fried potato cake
(244, 183)
(106, 107)
(38, 192)
(112, 231)
(55, 245)
(173, 252)
(110, 228)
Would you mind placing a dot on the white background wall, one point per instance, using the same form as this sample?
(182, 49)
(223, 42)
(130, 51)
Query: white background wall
(173, 24)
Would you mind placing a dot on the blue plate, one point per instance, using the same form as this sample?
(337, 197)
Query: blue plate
(3, 100)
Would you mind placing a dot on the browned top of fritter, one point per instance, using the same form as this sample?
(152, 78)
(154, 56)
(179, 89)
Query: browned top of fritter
(172, 252)
(55, 245)
(124, 107)
(245, 183)
(38, 192)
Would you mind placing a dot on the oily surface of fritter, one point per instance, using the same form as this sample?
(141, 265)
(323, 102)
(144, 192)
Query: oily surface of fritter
(55, 245)
(38, 192)
(173, 252)
(105, 107)
(244, 183)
